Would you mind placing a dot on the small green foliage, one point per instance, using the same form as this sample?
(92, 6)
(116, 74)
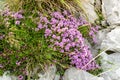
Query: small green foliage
(99, 70)
(22, 48)
(84, 30)
(96, 72)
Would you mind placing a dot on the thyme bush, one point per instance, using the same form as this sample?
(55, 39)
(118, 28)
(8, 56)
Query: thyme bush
(30, 38)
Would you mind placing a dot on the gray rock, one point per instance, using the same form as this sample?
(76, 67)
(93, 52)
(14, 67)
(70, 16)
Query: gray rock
(111, 11)
(77, 74)
(112, 40)
(49, 74)
(101, 35)
(111, 66)
(88, 6)
(6, 76)
(57, 77)
(104, 23)
(110, 62)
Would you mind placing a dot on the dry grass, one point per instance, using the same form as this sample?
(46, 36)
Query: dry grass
(74, 6)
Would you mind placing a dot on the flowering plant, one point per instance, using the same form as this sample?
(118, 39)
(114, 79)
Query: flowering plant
(63, 35)
(28, 41)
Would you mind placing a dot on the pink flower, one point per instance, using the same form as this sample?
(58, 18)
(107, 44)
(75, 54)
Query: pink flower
(17, 15)
(94, 39)
(40, 26)
(63, 29)
(18, 63)
(44, 19)
(17, 22)
(1, 66)
(62, 51)
(54, 36)
(20, 77)
(2, 36)
(65, 12)
(47, 32)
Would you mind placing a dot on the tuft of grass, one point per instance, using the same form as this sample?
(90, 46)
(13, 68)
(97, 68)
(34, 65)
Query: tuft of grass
(45, 6)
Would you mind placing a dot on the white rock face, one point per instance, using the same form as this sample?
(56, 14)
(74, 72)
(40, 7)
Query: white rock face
(88, 6)
(101, 35)
(112, 40)
(49, 74)
(8, 77)
(111, 66)
(57, 77)
(75, 74)
(111, 63)
(111, 11)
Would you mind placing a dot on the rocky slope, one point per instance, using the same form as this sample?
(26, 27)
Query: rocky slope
(108, 43)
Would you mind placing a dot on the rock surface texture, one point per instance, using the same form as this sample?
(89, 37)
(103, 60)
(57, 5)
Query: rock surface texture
(50, 74)
(88, 6)
(111, 66)
(111, 11)
(7, 77)
(76, 74)
(112, 40)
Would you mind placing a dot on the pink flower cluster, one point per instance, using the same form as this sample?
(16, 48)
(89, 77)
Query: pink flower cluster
(61, 30)
(16, 15)
(20, 77)
(92, 32)
(1, 66)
